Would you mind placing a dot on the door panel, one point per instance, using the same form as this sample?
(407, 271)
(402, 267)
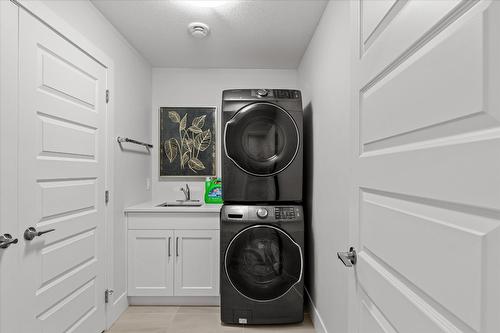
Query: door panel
(54, 196)
(62, 121)
(405, 309)
(426, 198)
(371, 319)
(150, 262)
(80, 143)
(456, 237)
(424, 170)
(196, 263)
(374, 13)
(77, 84)
(410, 25)
(406, 100)
(81, 300)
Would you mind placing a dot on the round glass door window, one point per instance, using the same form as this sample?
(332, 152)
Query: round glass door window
(263, 263)
(262, 139)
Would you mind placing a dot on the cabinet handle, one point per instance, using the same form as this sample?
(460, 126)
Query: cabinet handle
(169, 238)
(177, 246)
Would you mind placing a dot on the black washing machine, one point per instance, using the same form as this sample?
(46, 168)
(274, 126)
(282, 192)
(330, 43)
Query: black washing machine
(262, 145)
(262, 264)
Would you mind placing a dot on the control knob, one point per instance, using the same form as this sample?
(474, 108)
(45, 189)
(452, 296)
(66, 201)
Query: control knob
(262, 92)
(262, 213)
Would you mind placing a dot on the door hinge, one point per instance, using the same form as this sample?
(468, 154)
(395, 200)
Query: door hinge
(106, 197)
(107, 294)
(107, 95)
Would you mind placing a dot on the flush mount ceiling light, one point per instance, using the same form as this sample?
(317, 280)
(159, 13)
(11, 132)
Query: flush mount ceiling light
(207, 3)
(198, 30)
(202, 3)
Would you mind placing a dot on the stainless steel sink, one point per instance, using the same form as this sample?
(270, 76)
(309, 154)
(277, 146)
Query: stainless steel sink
(181, 203)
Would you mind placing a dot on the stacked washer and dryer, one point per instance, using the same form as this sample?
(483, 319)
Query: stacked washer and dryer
(262, 225)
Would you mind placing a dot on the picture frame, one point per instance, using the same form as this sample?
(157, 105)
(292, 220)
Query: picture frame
(187, 142)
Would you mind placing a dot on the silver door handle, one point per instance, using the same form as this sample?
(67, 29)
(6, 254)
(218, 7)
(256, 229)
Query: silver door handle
(348, 258)
(6, 240)
(176, 246)
(169, 238)
(31, 233)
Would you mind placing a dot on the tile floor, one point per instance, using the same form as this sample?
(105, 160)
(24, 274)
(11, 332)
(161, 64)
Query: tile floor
(191, 319)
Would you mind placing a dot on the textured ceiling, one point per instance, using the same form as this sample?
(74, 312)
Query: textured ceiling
(244, 34)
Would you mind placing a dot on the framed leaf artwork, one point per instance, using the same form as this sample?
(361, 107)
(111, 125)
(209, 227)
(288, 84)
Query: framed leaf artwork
(187, 141)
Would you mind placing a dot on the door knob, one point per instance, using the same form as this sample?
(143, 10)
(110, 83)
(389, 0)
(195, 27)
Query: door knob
(348, 258)
(31, 233)
(6, 240)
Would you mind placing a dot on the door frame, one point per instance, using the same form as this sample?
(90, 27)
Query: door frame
(38, 9)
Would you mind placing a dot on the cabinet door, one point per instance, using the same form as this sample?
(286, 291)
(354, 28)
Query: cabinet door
(150, 262)
(196, 263)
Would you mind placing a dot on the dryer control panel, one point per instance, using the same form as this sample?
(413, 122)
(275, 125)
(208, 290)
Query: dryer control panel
(275, 93)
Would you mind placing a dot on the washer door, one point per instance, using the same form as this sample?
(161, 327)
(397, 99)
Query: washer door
(263, 262)
(262, 139)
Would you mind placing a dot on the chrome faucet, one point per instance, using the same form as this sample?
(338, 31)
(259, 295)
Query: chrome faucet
(187, 192)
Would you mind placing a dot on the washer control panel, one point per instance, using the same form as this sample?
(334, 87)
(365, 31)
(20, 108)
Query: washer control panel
(285, 213)
(261, 213)
(262, 92)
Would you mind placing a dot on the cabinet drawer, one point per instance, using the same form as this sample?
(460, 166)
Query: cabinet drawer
(166, 221)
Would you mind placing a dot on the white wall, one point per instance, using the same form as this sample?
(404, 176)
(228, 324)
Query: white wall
(202, 87)
(132, 98)
(324, 76)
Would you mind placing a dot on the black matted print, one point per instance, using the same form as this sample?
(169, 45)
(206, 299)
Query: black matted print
(187, 141)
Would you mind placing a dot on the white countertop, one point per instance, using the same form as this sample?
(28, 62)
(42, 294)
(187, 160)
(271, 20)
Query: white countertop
(151, 207)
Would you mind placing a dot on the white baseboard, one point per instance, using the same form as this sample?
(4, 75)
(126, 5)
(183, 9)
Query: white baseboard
(318, 324)
(119, 305)
(174, 300)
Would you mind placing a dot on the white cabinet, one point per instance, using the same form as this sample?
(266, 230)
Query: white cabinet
(196, 263)
(173, 254)
(150, 263)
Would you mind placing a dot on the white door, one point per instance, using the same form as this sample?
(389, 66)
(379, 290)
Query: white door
(9, 256)
(196, 263)
(150, 262)
(62, 120)
(426, 173)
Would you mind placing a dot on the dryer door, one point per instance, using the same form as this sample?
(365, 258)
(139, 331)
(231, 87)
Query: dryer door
(262, 139)
(263, 262)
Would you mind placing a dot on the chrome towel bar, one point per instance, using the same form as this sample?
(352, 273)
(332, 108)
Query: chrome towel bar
(120, 140)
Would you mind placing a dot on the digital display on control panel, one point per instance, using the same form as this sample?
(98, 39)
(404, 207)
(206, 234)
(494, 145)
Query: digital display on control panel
(275, 93)
(284, 213)
(286, 93)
